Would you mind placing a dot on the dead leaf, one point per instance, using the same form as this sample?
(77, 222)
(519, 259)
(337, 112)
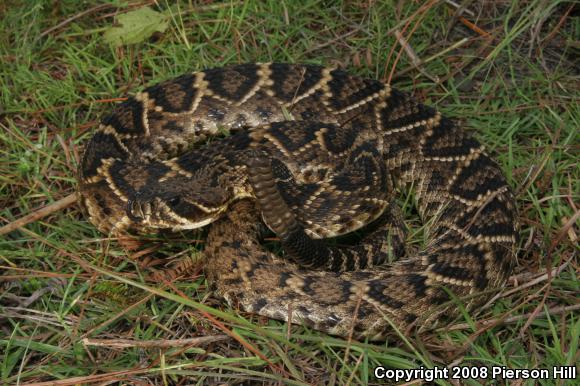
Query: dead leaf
(136, 26)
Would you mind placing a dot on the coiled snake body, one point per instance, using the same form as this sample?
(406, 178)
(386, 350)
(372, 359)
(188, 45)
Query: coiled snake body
(314, 153)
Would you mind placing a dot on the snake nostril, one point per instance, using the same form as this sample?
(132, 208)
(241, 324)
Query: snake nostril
(134, 210)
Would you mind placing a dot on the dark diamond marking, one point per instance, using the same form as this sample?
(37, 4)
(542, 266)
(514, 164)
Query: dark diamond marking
(284, 276)
(101, 146)
(447, 141)
(234, 82)
(410, 318)
(377, 292)
(306, 286)
(473, 181)
(174, 96)
(127, 118)
(117, 170)
(397, 100)
(338, 140)
(491, 227)
(450, 271)
(303, 310)
(293, 81)
(259, 304)
(283, 133)
(351, 90)
(440, 297)
(418, 282)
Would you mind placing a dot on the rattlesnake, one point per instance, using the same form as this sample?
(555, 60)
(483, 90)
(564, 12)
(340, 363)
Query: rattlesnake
(308, 129)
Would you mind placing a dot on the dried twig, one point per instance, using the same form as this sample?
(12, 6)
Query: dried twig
(559, 25)
(43, 212)
(513, 319)
(77, 16)
(527, 282)
(474, 27)
(460, 7)
(415, 60)
(156, 343)
(548, 286)
(525, 277)
(432, 57)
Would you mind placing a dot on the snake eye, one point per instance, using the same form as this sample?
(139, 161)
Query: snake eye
(174, 201)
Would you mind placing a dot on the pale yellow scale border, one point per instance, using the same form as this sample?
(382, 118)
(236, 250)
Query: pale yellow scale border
(176, 169)
(104, 171)
(143, 98)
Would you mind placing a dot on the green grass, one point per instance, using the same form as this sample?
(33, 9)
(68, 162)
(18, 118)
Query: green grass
(61, 281)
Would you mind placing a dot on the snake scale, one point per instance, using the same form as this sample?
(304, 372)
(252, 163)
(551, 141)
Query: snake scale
(312, 153)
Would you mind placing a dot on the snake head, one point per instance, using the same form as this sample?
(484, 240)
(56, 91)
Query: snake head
(177, 209)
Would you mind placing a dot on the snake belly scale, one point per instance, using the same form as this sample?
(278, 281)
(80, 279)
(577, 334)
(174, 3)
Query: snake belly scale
(146, 168)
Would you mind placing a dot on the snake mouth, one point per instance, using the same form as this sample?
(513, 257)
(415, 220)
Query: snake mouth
(144, 211)
(171, 213)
